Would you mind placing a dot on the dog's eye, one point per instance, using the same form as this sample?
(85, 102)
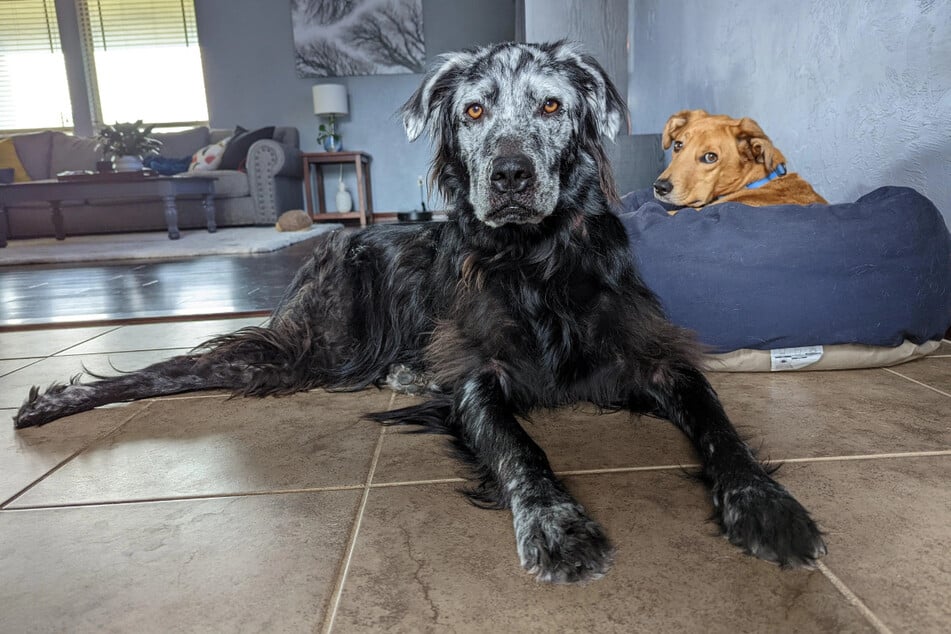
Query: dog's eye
(709, 157)
(551, 106)
(475, 111)
(678, 145)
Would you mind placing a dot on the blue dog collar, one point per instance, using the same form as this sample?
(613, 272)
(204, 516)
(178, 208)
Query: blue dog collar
(776, 173)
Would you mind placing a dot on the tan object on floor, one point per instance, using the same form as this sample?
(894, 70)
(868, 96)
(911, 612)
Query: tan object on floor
(294, 220)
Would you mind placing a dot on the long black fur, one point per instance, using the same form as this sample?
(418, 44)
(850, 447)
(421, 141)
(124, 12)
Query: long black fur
(501, 321)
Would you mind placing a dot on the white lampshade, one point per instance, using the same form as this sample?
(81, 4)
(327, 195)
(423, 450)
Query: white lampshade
(330, 99)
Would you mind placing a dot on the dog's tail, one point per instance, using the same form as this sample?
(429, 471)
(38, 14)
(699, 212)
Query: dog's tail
(251, 362)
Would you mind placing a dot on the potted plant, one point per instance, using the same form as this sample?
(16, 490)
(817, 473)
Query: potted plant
(127, 143)
(329, 137)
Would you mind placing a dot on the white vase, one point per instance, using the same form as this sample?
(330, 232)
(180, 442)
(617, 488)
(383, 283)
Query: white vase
(128, 164)
(344, 200)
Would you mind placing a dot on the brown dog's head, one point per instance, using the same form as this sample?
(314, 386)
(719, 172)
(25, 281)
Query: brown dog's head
(714, 155)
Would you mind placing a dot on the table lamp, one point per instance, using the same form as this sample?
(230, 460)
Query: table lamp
(330, 100)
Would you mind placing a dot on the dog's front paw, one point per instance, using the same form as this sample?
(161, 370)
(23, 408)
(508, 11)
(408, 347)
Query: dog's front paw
(560, 544)
(763, 519)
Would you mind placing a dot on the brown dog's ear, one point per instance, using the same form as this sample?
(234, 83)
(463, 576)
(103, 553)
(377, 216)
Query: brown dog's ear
(677, 121)
(754, 143)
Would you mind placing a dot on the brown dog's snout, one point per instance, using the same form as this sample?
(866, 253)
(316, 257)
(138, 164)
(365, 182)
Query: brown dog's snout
(662, 186)
(512, 174)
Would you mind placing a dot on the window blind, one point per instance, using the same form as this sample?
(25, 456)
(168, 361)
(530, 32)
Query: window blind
(137, 23)
(33, 89)
(143, 61)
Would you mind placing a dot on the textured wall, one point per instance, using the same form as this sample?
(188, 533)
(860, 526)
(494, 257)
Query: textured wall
(248, 58)
(603, 31)
(856, 93)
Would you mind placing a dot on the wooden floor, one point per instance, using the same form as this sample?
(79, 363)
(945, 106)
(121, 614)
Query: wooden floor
(46, 296)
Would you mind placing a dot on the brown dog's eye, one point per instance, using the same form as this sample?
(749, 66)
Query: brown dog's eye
(475, 111)
(678, 145)
(551, 106)
(709, 157)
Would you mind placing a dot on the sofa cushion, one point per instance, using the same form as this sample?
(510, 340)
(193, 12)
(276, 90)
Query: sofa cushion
(208, 157)
(10, 160)
(238, 148)
(228, 183)
(183, 143)
(70, 152)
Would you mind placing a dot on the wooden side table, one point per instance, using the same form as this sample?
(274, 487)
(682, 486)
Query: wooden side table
(313, 162)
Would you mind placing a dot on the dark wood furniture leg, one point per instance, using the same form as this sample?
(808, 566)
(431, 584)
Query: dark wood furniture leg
(308, 186)
(369, 190)
(171, 217)
(361, 192)
(59, 228)
(3, 226)
(208, 202)
(321, 205)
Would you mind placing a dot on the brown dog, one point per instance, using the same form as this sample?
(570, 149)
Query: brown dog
(719, 159)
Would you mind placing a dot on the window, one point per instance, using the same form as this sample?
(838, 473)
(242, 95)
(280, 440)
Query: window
(132, 59)
(33, 89)
(143, 61)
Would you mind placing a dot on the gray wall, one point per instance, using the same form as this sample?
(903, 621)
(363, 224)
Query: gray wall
(602, 31)
(250, 80)
(856, 93)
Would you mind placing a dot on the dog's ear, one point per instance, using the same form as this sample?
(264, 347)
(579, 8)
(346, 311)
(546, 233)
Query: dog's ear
(676, 122)
(601, 96)
(754, 143)
(427, 105)
(605, 101)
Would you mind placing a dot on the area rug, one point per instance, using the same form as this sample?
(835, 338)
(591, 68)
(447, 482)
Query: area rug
(155, 245)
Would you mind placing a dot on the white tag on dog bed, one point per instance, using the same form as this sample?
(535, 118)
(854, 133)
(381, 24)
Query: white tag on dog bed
(793, 358)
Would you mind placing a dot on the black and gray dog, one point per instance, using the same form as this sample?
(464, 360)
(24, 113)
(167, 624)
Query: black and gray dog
(525, 299)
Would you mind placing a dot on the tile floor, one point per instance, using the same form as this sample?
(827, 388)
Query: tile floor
(203, 514)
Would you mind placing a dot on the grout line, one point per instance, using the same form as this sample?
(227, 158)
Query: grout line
(407, 483)
(665, 467)
(65, 354)
(337, 593)
(853, 599)
(63, 462)
(35, 360)
(934, 389)
(180, 498)
(101, 334)
(871, 456)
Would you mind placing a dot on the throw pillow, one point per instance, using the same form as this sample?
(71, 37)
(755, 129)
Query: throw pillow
(10, 159)
(237, 150)
(209, 157)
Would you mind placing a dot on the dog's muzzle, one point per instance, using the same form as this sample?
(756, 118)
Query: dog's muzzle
(512, 189)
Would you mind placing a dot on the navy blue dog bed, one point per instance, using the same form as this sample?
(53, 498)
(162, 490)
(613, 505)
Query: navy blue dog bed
(873, 272)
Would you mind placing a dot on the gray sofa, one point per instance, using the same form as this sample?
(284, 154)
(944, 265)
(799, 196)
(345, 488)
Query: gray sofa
(270, 186)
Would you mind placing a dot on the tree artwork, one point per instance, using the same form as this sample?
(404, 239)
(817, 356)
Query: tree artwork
(340, 38)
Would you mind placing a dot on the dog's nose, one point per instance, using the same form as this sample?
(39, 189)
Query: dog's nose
(512, 174)
(663, 186)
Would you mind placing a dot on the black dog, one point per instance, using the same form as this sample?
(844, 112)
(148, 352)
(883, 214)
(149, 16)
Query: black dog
(525, 299)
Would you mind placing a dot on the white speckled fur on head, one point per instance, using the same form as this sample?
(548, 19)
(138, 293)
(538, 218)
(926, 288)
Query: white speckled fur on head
(512, 82)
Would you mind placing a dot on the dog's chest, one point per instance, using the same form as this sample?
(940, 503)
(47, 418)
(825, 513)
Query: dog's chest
(546, 325)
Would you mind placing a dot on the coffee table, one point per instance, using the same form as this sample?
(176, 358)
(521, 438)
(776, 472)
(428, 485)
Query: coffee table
(93, 186)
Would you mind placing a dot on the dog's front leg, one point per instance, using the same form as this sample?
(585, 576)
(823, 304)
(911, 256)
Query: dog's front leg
(556, 539)
(755, 512)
